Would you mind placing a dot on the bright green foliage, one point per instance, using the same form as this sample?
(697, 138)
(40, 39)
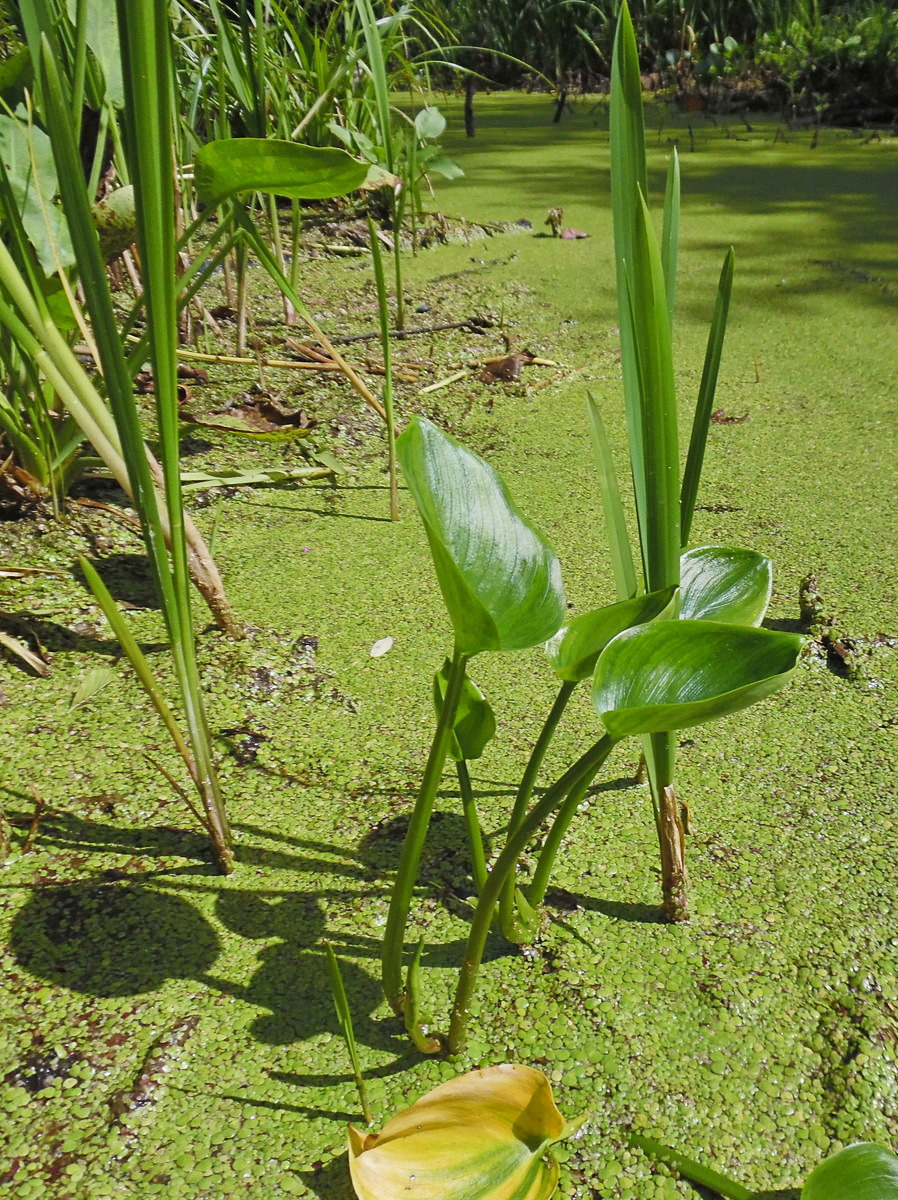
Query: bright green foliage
(575, 649)
(235, 165)
(724, 583)
(475, 722)
(863, 1171)
(860, 1172)
(500, 579)
(674, 674)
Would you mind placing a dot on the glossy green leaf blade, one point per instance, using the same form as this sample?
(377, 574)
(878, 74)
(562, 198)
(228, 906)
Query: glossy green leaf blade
(28, 158)
(704, 405)
(671, 231)
(725, 583)
(861, 1172)
(500, 579)
(674, 674)
(615, 520)
(574, 650)
(233, 165)
(475, 722)
(660, 521)
(628, 180)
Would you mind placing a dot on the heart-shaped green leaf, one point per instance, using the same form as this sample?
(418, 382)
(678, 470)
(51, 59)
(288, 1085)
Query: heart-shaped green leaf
(674, 674)
(573, 650)
(725, 583)
(861, 1172)
(481, 1136)
(430, 123)
(475, 723)
(500, 579)
(266, 165)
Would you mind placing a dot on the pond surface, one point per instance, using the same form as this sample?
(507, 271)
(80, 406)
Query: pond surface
(168, 1032)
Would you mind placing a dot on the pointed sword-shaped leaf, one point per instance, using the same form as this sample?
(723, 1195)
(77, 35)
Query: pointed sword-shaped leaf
(674, 674)
(671, 231)
(702, 419)
(861, 1172)
(475, 722)
(481, 1136)
(500, 579)
(725, 583)
(615, 520)
(573, 650)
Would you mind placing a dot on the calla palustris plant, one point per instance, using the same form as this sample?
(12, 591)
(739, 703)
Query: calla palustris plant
(680, 647)
(717, 583)
(657, 677)
(501, 583)
(485, 1135)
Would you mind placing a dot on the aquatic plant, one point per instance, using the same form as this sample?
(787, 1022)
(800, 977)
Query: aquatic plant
(680, 647)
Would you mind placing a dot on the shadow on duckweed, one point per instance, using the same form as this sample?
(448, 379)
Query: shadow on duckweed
(127, 933)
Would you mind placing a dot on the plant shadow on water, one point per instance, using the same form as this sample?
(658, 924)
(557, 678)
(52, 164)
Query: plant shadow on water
(331, 1180)
(128, 932)
(127, 576)
(103, 938)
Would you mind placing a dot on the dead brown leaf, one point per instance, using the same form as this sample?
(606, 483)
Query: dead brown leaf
(505, 369)
(262, 417)
(719, 417)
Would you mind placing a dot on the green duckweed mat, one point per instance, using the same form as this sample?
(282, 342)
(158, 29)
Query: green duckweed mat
(167, 1032)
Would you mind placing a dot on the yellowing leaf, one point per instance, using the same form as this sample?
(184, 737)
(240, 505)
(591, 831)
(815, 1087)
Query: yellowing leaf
(481, 1135)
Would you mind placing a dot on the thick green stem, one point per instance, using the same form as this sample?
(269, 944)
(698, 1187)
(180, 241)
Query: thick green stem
(669, 824)
(472, 824)
(413, 846)
(584, 770)
(513, 929)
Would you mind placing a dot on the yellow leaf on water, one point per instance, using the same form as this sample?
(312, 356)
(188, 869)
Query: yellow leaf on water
(481, 1136)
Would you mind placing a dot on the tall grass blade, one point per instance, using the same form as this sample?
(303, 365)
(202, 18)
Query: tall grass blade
(612, 504)
(704, 406)
(148, 74)
(384, 315)
(628, 179)
(658, 408)
(344, 1017)
(670, 234)
(137, 659)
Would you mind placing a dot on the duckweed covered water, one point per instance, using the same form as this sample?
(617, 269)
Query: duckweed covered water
(170, 1033)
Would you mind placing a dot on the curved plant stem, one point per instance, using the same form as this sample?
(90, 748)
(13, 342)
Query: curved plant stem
(472, 824)
(394, 934)
(511, 925)
(690, 1169)
(540, 882)
(583, 770)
